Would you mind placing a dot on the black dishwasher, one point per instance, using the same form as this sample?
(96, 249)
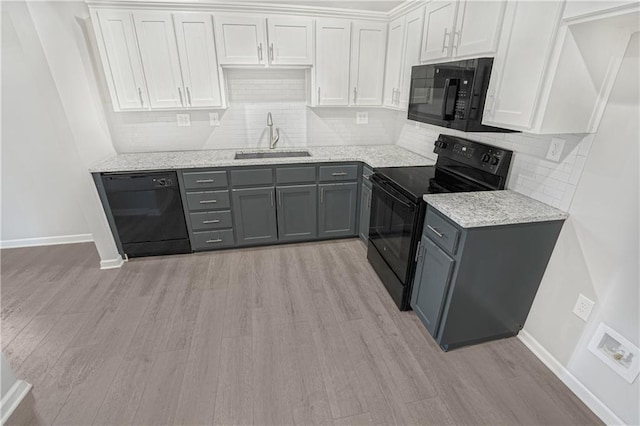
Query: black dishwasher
(147, 212)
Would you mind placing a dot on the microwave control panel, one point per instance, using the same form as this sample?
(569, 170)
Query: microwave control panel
(462, 100)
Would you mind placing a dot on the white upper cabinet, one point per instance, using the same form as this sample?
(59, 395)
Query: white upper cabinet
(393, 69)
(196, 49)
(477, 27)
(241, 40)
(157, 41)
(119, 52)
(403, 52)
(333, 43)
(367, 62)
(439, 20)
(290, 41)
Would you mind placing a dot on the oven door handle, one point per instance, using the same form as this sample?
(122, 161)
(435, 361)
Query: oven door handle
(384, 186)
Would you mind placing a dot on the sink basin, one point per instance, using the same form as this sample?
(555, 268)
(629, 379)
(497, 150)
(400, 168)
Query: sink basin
(274, 154)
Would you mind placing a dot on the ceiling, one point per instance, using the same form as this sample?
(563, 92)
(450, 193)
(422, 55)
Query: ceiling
(367, 5)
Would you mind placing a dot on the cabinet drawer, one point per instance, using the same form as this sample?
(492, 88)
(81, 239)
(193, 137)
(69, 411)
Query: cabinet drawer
(252, 177)
(208, 200)
(211, 220)
(332, 173)
(198, 180)
(213, 239)
(445, 234)
(295, 174)
(366, 176)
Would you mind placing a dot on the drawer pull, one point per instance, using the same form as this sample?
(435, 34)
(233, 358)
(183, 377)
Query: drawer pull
(204, 181)
(435, 231)
(339, 174)
(211, 221)
(367, 177)
(208, 201)
(217, 240)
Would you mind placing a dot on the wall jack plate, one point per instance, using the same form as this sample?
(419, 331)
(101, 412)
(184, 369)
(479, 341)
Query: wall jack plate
(214, 119)
(555, 149)
(183, 120)
(583, 307)
(362, 117)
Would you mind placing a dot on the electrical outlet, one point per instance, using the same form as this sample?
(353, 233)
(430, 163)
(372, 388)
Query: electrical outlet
(183, 120)
(362, 117)
(555, 149)
(214, 119)
(583, 307)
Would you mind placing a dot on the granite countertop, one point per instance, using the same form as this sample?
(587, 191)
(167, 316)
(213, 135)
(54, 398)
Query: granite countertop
(373, 155)
(489, 208)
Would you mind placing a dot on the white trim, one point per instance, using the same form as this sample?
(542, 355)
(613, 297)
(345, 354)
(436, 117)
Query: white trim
(599, 408)
(13, 398)
(47, 241)
(111, 263)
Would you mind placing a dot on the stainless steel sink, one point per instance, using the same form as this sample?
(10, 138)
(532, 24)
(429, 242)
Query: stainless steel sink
(274, 154)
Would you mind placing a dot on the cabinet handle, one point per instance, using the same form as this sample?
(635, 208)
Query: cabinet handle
(369, 201)
(339, 174)
(188, 96)
(180, 94)
(271, 52)
(456, 39)
(140, 95)
(208, 201)
(366, 177)
(444, 40)
(418, 251)
(206, 222)
(435, 231)
(355, 94)
(217, 240)
(393, 97)
(260, 52)
(321, 195)
(204, 181)
(318, 95)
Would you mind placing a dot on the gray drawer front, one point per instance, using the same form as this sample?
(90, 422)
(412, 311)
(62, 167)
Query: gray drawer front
(445, 234)
(252, 177)
(295, 174)
(198, 180)
(366, 175)
(213, 239)
(334, 173)
(208, 200)
(211, 220)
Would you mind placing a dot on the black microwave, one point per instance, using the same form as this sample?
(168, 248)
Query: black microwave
(451, 94)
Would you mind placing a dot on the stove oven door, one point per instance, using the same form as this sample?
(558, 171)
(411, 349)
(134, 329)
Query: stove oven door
(393, 218)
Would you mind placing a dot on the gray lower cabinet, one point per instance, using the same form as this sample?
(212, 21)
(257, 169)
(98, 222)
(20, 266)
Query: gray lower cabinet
(338, 208)
(297, 212)
(254, 213)
(365, 212)
(433, 273)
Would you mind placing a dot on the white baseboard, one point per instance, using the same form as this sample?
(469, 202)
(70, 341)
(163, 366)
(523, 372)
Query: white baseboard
(13, 398)
(47, 241)
(599, 408)
(111, 263)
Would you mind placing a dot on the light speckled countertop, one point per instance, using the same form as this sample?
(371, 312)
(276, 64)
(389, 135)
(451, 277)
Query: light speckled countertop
(489, 208)
(373, 155)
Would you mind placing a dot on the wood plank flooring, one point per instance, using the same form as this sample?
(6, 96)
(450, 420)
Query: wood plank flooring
(293, 334)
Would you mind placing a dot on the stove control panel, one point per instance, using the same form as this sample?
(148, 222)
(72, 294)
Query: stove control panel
(478, 155)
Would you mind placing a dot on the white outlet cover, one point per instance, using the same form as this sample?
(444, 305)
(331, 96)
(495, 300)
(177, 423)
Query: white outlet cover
(583, 307)
(616, 351)
(183, 120)
(555, 149)
(214, 119)
(362, 117)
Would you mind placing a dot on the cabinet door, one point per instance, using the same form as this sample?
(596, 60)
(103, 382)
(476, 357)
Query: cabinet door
(394, 61)
(365, 212)
(519, 65)
(157, 41)
(367, 62)
(478, 26)
(333, 43)
(338, 208)
(123, 67)
(297, 212)
(290, 41)
(197, 51)
(439, 18)
(240, 40)
(411, 56)
(254, 213)
(433, 274)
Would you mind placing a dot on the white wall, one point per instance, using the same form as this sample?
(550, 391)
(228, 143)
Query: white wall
(597, 253)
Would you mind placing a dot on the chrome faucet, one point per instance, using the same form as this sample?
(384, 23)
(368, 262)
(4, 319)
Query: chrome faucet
(272, 141)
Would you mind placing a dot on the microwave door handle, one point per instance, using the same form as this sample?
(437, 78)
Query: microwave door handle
(449, 98)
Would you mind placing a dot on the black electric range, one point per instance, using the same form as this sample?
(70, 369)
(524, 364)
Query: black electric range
(397, 207)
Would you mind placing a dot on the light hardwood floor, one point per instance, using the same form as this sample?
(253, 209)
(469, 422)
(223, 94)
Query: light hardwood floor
(294, 334)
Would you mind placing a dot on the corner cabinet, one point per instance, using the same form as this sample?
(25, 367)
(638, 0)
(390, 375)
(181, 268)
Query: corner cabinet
(365, 204)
